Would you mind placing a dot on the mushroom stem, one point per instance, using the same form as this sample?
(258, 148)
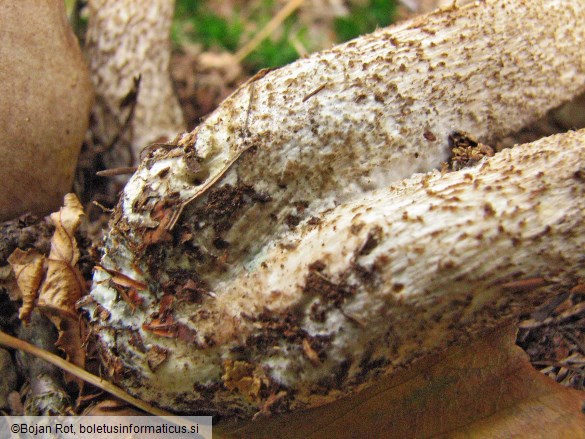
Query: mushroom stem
(129, 52)
(262, 264)
(376, 284)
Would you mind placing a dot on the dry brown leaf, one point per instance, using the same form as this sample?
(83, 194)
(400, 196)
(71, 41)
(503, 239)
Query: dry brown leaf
(72, 333)
(242, 376)
(71, 336)
(66, 222)
(122, 279)
(28, 270)
(47, 96)
(486, 389)
(163, 327)
(62, 287)
(55, 284)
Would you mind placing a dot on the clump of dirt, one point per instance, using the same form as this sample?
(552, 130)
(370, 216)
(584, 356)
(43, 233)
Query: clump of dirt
(466, 151)
(224, 202)
(318, 284)
(27, 231)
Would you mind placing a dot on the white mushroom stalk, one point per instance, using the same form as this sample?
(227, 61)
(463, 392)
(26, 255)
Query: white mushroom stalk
(127, 40)
(261, 263)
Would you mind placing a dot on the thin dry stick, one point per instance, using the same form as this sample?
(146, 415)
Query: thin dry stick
(55, 360)
(112, 172)
(270, 27)
(15, 343)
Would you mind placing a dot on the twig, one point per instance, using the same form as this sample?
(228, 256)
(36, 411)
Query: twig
(558, 365)
(580, 345)
(59, 362)
(102, 207)
(298, 46)
(314, 92)
(283, 14)
(116, 171)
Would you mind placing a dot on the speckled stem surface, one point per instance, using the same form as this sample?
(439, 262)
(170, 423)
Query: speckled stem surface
(261, 263)
(127, 39)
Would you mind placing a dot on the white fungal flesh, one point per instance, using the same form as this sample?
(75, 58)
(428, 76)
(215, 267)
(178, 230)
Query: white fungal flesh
(279, 263)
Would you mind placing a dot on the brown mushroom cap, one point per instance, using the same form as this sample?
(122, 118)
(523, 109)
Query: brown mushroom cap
(44, 111)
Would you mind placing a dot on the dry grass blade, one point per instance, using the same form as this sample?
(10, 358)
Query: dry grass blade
(270, 27)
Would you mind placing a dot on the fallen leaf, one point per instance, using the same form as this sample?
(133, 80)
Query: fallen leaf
(28, 270)
(128, 295)
(243, 377)
(54, 284)
(163, 327)
(62, 288)
(71, 335)
(161, 233)
(165, 305)
(485, 389)
(66, 222)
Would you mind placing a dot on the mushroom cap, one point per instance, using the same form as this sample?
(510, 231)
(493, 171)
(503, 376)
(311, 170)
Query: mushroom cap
(44, 111)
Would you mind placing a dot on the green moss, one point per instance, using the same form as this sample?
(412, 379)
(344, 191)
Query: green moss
(194, 22)
(278, 51)
(272, 54)
(365, 19)
(216, 31)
